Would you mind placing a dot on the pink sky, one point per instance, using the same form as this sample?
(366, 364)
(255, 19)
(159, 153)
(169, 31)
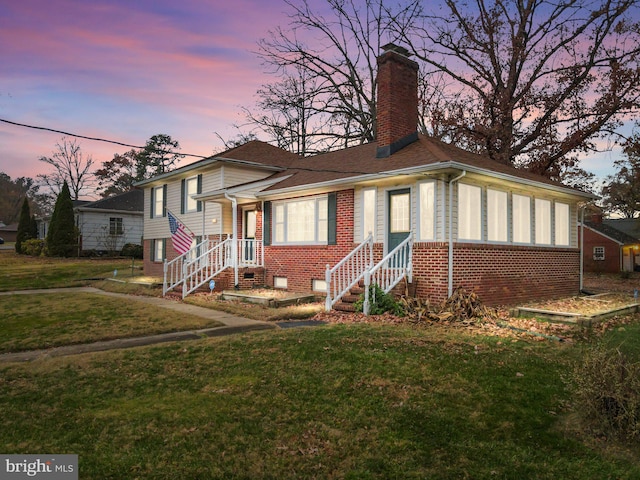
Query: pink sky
(125, 71)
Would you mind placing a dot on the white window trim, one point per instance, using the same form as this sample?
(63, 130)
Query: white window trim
(158, 199)
(434, 225)
(538, 202)
(483, 213)
(507, 225)
(285, 203)
(158, 242)
(567, 225)
(513, 230)
(187, 195)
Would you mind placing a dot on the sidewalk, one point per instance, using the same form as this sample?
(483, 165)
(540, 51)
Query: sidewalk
(231, 324)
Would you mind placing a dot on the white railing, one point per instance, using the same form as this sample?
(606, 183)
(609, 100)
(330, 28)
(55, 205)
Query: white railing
(395, 266)
(250, 253)
(348, 272)
(206, 266)
(173, 270)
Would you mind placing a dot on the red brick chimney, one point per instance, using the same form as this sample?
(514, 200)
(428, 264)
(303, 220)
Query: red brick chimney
(596, 217)
(397, 109)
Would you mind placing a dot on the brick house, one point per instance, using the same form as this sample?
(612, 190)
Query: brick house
(405, 208)
(611, 246)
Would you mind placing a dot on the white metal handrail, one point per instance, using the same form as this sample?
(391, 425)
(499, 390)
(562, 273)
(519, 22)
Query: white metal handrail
(395, 266)
(173, 269)
(206, 266)
(348, 272)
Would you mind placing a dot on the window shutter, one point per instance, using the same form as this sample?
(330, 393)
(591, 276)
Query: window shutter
(332, 214)
(164, 200)
(164, 249)
(199, 191)
(266, 224)
(183, 188)
(153, 202)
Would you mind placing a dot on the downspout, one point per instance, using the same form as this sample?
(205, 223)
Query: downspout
(582, 209)
(450, 269)
(234, 243)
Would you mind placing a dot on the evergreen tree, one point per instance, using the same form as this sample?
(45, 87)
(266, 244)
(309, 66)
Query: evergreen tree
(62, 237)
(24, 226)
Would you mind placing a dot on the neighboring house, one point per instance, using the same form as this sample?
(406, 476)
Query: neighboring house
(405, 207)
(9, 233)
(108, 224)
(611, 246)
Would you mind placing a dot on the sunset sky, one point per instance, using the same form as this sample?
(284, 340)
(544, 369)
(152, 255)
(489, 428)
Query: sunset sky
(125, 70)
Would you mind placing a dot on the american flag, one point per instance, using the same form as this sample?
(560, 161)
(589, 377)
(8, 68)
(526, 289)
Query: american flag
(179, 236)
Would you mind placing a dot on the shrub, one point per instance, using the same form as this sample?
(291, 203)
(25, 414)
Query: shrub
(607, 392)
(132, 250)
(379, 302)
(33, 247)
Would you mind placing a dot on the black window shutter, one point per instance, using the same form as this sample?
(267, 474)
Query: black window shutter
(332, 227)
(199, 191)
(164, 249)
(164, 200)
(266, 226)
(183, 185)
(153, 201)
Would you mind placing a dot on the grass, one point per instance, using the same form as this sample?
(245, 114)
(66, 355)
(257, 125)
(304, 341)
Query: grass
(49, 320)
(342, 401)
(20, 272)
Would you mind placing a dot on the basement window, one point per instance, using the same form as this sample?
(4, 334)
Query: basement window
(280, 282)
(319, 285)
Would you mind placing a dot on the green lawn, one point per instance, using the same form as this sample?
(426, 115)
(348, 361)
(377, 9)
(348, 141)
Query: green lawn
(344, 401)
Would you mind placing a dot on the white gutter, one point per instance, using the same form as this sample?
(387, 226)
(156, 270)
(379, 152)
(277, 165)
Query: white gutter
(234, 243)
(450, 270)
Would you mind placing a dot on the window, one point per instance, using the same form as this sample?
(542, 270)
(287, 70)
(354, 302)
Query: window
(497, 216)
(562, 224)
(158, 250)
(279, 282)
(400, 212)
(301, 221)
(368, 212)
(158, 198)
(521, 218)
(115, 226)
(190, 186)
(598, 253)
(427, 195)
(543, 222)
(469, 212)
(319, 285)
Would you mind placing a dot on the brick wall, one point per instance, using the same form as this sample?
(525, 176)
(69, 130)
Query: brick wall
(500, 275)
(300, 264)
(611, 262)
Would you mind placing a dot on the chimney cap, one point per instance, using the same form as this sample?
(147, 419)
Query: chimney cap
(392, 47)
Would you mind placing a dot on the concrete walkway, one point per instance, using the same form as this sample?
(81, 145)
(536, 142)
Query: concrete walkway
(230, 324)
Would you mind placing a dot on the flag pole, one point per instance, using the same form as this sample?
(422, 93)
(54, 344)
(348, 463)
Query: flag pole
(178, 218)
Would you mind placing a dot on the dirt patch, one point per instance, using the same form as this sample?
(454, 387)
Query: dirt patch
(585, 305)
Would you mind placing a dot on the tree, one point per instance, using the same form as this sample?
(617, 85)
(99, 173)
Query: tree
(118, 174)
(325, 95)
(621, 195)
(62, 237)
(157, 157)
(13, 194)
(25, 231)
(533, 83)
(71, 166)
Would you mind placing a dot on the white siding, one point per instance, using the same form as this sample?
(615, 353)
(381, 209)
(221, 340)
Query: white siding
(237, 175)
(94, 227)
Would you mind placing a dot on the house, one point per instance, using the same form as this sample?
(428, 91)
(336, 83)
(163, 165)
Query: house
(612, 245)
(9, 233)
(108, 224)
(405, 208)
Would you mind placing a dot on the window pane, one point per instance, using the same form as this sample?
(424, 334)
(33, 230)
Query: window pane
(543, 221)
(323, 215)
(521, 219)
(159, 244)
(279, 223)
(158, 207)
(191, 188)
(562, 224)
(496, 216)
(301, 221)
(368, 212)
(469, 212)
(400, 213)
(427, 210)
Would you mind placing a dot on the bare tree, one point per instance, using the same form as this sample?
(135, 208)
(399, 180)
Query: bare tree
(326, 94)
(70, 165)
(621, 193)
(534, 82)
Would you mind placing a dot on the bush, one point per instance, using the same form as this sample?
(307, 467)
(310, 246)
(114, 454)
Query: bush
(607, 392)
(132, 250)
(33, 247)
(379, 302)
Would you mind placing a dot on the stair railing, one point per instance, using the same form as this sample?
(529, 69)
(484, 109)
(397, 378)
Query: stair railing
(348, 272)
(207, 265)
(174, 269)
